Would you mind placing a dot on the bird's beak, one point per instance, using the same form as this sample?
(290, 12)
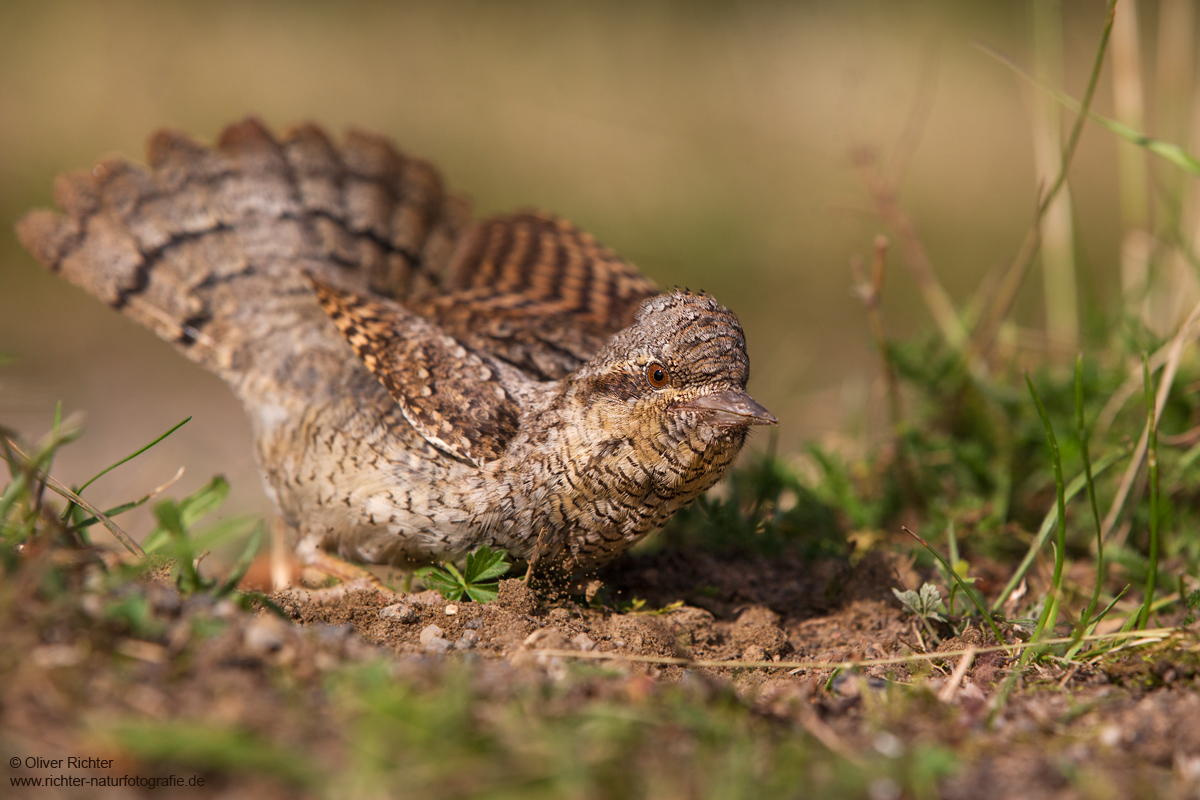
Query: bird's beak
(729, 408)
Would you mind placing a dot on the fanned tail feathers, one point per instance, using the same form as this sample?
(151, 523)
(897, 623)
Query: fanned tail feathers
(208, 247)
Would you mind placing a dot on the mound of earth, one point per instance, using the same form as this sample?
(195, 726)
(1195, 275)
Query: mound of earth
(127, 671)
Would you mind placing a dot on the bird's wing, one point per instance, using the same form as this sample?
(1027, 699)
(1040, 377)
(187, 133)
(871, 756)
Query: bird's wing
(456, 399)
(537, 292)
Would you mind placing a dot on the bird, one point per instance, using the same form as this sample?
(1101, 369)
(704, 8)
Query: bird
(419, 384)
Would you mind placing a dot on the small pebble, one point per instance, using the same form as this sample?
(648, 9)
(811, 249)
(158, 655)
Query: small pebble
(437, 644)
(888, 744)
(474, 624)
(226, 609)
(583, 642)
(754, 653)
(429, 597)
(550, 638)
(430, 632)
(264, 635)
(451, 610)
(401, 612)
(467, 641)
(92, 605)
(332, 634)
(1110, 736)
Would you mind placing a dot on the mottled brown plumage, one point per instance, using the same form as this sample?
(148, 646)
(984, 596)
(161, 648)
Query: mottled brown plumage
(418, 385)
(455, 398)
(537, 292)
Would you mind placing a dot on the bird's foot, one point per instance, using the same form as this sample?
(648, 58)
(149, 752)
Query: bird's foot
(320, 567)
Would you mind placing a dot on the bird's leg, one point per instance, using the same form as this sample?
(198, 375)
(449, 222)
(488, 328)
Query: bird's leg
(343, 571)
(350, 577)
(283, 559)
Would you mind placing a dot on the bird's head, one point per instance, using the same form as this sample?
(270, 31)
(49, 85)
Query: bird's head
(673, 385)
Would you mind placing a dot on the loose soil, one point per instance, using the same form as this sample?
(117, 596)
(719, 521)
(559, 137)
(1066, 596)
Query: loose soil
(84, 662)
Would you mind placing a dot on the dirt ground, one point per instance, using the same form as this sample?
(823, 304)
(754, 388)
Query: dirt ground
(85, 661)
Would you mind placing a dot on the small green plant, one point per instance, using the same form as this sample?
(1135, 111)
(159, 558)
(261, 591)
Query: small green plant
(174, 538)
(924, 604)
(962, 583)
(479, 579)
(1193, 602)
(73, 510)
(24, 516)
(637, 605)
(21, 500)
(21, 507)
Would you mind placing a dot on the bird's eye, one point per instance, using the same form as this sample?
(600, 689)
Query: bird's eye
(657, 375)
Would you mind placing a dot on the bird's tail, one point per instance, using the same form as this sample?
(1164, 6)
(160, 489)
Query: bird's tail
(210, 247)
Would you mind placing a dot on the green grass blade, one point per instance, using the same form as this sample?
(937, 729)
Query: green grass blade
(952, 549)
(1010, 284)
(113, 512)
(14, 454)
(1050, 612)
(121, 509)
(184, 514)
(1091, 487)
(242, 566)
(1152, 469)
(9, 498)
(206, 499)
(952, 543)
(131, 456)
(1173, 154)
(1111, 606)
(222, 530)
(1048, 523)
(170, 520)
(1078, 643)
(52, 449)
(48, 445)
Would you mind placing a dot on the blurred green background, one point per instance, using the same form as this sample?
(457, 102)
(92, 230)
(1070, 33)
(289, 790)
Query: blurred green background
(707, 142)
